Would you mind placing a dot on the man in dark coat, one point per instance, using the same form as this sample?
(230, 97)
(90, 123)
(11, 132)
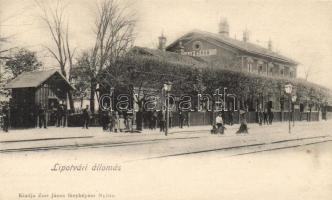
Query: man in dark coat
(154, 119)
(162, 120)
(181, 118)
(59, 115)
(5, 119)
(86, 117)
(139, 120)
(243, 123)
(104, 119)
(266, 116)
(271, 116)
(42, 116)
(231, 117)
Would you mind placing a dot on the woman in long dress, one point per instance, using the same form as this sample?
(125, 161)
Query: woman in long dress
(116, 121)
(122, 125)
(243, 126)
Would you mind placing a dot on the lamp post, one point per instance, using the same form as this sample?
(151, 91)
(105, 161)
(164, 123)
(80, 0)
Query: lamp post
(294, 97)
(167, 88)
(288, 90)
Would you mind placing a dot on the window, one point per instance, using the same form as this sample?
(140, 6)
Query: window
(282, 72)
(260, 69)
(249, 67)
(271, 71)
(197, 45)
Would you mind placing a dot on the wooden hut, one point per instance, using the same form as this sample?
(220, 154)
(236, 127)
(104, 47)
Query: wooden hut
(30, 90)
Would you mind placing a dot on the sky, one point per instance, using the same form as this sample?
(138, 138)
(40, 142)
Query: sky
(301, 30)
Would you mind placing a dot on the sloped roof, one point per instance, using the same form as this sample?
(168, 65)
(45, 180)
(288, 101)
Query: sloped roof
(238, 44)
(34, 79)
(169, 56)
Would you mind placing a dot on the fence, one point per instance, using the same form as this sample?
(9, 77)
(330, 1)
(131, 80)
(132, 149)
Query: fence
(207, 118)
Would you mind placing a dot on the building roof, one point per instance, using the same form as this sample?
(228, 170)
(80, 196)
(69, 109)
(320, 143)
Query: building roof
(34, 79)
(169, 56)
(238, 44)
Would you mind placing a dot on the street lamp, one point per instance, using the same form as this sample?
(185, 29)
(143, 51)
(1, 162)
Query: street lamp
(288, 90)
(294, 97)
(167, 88)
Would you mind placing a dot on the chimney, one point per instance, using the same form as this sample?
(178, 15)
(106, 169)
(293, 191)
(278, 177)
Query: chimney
(162, 42)
(246, 35)
(269, 45)
(224, 27)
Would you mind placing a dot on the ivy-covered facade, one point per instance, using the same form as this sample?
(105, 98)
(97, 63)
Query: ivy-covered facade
(151, 68)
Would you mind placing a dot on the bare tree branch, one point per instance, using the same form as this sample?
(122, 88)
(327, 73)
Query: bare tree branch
(114, 27)
(55, 20)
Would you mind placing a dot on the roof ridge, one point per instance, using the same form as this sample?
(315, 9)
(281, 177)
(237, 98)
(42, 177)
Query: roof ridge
(34, 78)
(239, 44)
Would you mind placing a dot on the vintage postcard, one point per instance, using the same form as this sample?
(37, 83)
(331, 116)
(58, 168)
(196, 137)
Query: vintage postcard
(165, 99)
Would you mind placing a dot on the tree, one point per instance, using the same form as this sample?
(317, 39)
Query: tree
(22, 61)
(80, 76)
(58, 27)
(114, 33)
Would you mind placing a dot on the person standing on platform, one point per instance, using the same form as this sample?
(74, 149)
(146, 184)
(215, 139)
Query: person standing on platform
(220, 123)
(102, 118)
(86, 117)
(122, 123)
(181, 118)
(116, 122)
(162, 120)
(170, 124)
(231, 117)
(111, 121)
(42, 117)
(154, 119)
(5, 119)
(243, 126)
(271, 116)
(64, 115)
(266, 117)
(260, 116)
(59, 115)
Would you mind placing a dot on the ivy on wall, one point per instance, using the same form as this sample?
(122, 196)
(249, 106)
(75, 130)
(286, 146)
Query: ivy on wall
(148, 71)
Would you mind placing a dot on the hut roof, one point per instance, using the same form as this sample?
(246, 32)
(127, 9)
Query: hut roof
(34, 79)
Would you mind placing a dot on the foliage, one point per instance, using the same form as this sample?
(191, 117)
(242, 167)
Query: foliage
(22, 61)
(80, 76)
(114, 33)
(146, 71)
(55, 20)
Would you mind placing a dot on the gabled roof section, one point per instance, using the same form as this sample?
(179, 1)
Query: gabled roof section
(238, 44)
(169, 56)
(34, 79)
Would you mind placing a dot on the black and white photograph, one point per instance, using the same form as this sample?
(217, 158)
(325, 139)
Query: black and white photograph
(165, 99)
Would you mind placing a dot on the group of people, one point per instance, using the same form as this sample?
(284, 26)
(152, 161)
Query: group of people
(265, 117)
(161, 117)
(114, 121)
(59, 114)
(219, 127)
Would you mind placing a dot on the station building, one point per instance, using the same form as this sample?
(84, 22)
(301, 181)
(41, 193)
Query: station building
(222, 51)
